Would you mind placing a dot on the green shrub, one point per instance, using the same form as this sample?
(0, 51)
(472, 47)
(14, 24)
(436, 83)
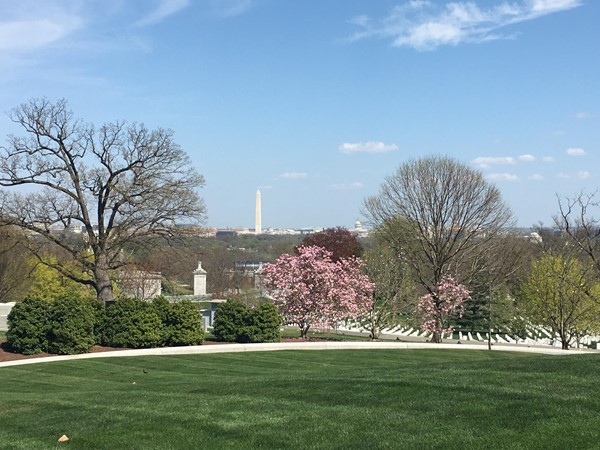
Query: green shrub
(71, 325)
(131, 323)
(28, 324)
(268, 321)
(183, 325)
(236, 322)
(99, 309)
(162, 306)
(230, 317)
(249, 334)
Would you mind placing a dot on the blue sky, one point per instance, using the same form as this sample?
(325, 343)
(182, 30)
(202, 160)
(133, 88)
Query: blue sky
(316, 102)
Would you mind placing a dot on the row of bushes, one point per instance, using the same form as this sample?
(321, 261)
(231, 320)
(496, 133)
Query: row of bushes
(72, 324)
(235, 322)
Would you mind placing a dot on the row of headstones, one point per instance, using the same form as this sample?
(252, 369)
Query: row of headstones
(542, 337)
(415, 332)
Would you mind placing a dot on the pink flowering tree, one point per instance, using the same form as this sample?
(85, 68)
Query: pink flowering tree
(439, 306)
(312, 289)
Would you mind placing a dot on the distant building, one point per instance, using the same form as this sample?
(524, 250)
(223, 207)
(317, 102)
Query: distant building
(359, 229)
(140, 284)
(226, 233)
(248, 266)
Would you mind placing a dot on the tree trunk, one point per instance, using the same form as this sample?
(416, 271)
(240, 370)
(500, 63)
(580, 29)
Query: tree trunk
(375, 333)
(104, 290)
(565, 344)
(304, 331)
(436, 337)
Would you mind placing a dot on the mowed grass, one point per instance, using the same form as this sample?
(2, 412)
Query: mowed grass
(348, 399)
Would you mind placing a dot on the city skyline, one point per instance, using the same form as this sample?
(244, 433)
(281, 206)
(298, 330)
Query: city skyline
(315, 104)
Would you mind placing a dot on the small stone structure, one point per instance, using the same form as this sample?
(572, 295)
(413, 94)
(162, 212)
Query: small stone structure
(141, 284)
(4, 311)
(201, 297)
(199, 280)
(208, 315)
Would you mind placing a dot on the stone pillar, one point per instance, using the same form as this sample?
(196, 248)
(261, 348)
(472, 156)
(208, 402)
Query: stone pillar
(199, 280)
(258, 223)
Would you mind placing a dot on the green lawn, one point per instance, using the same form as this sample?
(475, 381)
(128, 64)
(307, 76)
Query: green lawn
(330, 335)
(294, 332)
(412, 399)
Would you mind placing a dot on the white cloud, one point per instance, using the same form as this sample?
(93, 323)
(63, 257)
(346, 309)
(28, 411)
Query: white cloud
(575, 152)
(526, 158)
(582, 175)
(164, 9)
(502, 177)
(348, 186)
(542, 7)
(293, 175)
(26, 31)
(488, 161)
(367, 147)
(426, 25)
(548, 159)
(536, 177)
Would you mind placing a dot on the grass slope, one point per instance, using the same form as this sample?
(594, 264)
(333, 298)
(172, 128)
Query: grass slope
(306, 399)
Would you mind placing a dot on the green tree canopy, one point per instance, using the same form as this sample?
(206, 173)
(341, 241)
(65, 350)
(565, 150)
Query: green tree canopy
(560, 295)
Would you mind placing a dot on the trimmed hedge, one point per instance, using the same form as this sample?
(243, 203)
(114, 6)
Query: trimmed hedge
(230, 317)
(162, 306)
(235, 322)
(28, 325)
(72, 321)
(130, 323)
(267, 321)
(72, 324)
(182, 325)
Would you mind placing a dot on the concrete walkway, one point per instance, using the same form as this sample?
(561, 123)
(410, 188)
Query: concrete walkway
(232, 348)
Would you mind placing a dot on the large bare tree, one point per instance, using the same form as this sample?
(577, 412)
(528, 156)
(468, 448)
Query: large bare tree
(117, 184)
(440, 217)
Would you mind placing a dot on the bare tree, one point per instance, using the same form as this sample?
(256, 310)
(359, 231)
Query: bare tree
(439, 216)
(576, 222)
(219, 263)
(117, 185)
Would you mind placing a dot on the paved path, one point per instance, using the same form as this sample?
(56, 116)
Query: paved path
(230, 348)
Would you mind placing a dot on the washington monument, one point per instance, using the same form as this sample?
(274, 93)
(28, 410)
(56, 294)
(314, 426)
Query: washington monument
(258, 224)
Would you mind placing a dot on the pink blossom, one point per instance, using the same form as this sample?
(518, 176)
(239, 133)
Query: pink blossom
(311, 289)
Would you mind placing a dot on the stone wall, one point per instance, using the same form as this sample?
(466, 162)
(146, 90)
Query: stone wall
(4, 311)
